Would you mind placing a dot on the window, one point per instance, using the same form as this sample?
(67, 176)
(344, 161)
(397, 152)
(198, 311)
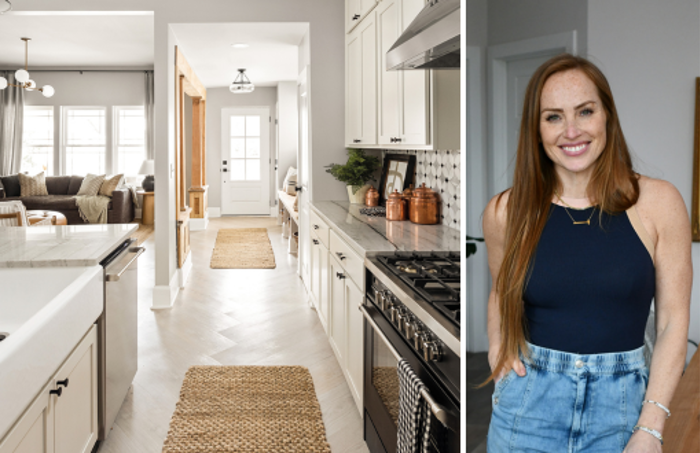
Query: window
(84, 140)
(129, 140)
(245, 148)
(37, 140)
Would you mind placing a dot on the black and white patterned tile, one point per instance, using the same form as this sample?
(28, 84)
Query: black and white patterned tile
(439, 170)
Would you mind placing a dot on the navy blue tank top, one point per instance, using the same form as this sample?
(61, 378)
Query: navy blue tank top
(590, 287)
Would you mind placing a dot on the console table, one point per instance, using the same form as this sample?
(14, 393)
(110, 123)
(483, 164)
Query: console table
(289, 218)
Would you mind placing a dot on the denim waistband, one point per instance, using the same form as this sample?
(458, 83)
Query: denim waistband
(566, 362)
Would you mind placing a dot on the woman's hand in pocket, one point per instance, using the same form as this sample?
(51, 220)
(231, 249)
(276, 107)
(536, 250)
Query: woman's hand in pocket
(516, 365)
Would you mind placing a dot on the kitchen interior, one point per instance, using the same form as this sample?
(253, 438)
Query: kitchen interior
(106, 341)
(651, 57)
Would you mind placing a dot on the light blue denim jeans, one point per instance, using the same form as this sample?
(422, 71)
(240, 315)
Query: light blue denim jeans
(568, 403)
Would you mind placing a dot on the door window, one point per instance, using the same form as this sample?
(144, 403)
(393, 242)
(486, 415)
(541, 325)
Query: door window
(245, 148)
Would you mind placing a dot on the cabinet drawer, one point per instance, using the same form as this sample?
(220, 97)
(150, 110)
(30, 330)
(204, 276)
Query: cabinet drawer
(319, 228)
(351, 262)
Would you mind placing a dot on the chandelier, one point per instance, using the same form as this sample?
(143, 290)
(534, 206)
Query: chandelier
(22, 76)
(241, 84)
(5, 6)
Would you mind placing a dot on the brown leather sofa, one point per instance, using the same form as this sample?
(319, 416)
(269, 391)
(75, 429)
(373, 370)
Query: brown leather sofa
(60, 198)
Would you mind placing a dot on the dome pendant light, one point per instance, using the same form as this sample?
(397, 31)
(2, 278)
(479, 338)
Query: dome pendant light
(22, 76)
(241, 84)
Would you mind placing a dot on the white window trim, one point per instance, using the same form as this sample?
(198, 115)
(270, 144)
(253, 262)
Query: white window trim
(115, 134)
(64, 135)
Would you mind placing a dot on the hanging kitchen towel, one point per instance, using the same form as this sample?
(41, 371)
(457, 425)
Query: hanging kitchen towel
(414, 413)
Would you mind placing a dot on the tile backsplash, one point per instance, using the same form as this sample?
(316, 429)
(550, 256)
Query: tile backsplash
(439, 170)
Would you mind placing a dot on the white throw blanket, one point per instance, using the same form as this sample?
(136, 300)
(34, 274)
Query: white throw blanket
(92, 208)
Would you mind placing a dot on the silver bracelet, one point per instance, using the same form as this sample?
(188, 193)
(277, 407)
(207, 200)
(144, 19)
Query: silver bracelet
(664, 408)
(651, 431)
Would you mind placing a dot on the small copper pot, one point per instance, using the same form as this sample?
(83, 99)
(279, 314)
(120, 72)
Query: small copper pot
(396, 207)
(372, 197)
(424, 206)
(407, 194)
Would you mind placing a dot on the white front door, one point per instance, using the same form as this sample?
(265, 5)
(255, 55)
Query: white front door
(245, 161)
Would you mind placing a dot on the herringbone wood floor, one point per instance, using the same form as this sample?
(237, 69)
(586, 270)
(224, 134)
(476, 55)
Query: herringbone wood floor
(229, 317)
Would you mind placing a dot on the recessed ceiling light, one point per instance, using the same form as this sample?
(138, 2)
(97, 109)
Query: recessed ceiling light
(239, 45)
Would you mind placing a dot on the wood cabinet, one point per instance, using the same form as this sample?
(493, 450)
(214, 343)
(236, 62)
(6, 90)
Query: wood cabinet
(356, 10)
(361, 84)
(63, 418)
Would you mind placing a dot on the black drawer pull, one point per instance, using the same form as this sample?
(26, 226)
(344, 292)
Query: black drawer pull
(56, 392)
(63, 382)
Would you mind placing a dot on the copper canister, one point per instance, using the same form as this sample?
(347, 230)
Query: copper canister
(407, 194)
(424, 206)
(372, 197)
(395, 207)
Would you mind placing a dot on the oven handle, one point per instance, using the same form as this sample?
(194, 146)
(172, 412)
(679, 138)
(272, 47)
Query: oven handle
(439, 411)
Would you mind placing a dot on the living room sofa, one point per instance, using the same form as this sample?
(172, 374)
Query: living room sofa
(60, 198)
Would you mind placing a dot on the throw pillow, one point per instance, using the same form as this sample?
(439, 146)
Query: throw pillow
(32, 185)
(110, 184)
(91, 184)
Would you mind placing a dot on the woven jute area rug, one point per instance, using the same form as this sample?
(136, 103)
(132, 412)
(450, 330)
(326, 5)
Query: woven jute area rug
(243, 248)
(253, 409)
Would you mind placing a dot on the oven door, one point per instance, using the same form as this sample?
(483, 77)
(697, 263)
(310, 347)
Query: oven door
(384, 347)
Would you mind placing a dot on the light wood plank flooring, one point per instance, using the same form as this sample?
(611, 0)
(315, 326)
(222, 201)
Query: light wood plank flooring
(229, 317)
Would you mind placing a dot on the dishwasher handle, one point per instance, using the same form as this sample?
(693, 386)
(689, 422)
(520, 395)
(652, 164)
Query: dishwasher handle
(137, 251)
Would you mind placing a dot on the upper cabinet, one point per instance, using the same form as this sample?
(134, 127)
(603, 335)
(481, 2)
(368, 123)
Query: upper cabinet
(355, 11)
(412, 109)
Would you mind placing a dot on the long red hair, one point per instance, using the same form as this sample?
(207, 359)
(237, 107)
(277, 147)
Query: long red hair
(613, 187)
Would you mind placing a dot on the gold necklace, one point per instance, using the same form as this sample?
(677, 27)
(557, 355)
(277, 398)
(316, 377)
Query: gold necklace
(579, 222)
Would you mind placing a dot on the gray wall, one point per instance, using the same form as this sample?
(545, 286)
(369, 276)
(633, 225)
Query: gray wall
(288, 128)
(513, 20)
(217, 99)
(650, 53)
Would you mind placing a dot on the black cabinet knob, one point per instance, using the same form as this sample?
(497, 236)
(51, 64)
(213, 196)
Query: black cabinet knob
(355, 17)
(341, 257)
(340, 275)
(315, 241)
(225, 170)
(298, 188)
(357, 140)
(316, 227)
(56, 392)
(63, 382)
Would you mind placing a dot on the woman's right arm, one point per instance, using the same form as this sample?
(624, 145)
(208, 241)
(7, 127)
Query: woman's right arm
(494, 224)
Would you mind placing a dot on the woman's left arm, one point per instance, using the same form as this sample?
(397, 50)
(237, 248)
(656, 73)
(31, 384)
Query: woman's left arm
(674, 275)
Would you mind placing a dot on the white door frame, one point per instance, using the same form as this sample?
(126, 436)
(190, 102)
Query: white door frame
(265, 169)
(498, 58)
(476, 198)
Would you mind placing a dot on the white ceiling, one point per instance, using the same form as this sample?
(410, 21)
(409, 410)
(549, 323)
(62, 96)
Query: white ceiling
(272, 55)
(77, 40)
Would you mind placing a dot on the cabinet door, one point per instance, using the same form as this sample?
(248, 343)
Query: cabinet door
(361, 82)
(315, 271)
(337, 324)
(389, 90)
(33, 433)
(75, 411)
(324, 298)
(355, 336)
(353, 13)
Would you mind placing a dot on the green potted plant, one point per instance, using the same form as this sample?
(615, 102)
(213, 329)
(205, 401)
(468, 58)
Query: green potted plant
(355, 173)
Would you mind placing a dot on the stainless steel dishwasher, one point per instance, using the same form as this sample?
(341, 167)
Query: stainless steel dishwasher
(117, 335)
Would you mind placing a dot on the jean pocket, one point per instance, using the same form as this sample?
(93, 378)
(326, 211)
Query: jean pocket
(503, 383)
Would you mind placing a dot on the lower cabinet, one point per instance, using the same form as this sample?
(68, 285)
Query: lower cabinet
(63, 417)
(319, 281)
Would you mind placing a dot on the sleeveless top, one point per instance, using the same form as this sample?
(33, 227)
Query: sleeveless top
(590, 287)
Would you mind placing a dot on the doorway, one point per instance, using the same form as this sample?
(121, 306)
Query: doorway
(245, 158)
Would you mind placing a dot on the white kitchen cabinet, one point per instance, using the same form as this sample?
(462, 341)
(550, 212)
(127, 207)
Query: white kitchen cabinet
(355, 11)
(337, 293)
(354, 357)
(65, 422)
(319, 280)
(361, 84)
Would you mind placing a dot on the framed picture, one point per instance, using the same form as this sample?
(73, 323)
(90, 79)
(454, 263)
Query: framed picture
(695, 211)
(397, 174)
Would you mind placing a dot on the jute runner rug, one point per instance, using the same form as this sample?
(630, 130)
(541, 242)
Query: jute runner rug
(243, 248)
(251, 409)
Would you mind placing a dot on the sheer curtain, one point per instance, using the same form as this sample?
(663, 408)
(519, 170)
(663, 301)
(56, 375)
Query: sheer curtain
(11, 122)
(149, 111)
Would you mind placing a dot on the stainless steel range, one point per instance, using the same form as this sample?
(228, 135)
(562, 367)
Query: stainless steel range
(412, 310)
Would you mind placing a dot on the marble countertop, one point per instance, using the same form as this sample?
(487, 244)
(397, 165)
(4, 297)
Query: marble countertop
(64, 245)
(376, 234)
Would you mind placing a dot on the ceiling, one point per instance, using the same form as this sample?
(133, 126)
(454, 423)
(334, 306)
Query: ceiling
(85, 40)
(272, 55)
(77, 40)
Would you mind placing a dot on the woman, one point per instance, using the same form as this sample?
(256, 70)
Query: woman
(578, 248)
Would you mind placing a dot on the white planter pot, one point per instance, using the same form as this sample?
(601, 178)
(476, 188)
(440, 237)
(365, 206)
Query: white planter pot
(359, 196)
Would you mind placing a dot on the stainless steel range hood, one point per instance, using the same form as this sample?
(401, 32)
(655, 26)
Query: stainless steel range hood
(431, 41)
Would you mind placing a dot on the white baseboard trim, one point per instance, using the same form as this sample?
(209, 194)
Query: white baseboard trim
(164, 296)
(199, 224)
(137, 213)
(184, 272)
(213, 212)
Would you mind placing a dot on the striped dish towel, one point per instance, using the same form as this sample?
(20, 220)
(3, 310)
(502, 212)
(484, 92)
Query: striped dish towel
(414, 413)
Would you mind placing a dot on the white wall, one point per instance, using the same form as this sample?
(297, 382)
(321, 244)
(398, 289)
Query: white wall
(288, 128)
(650, 53)
(217, 99)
